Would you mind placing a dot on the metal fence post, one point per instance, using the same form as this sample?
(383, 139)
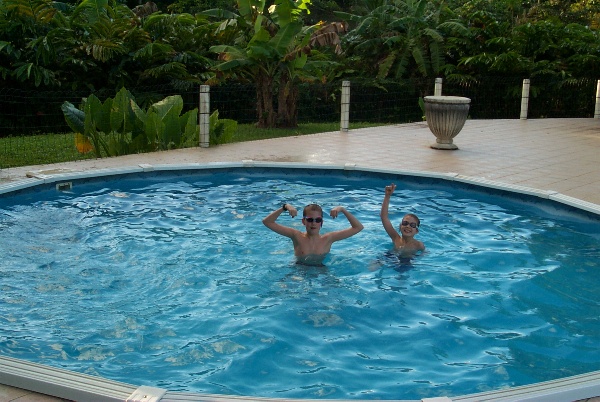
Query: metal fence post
(345, 118)
(597, 111)
(204, 116)
(525, 99)
(438, 87)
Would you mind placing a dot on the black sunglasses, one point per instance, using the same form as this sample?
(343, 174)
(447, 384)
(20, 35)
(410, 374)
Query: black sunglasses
(310, 220)
(411, 224)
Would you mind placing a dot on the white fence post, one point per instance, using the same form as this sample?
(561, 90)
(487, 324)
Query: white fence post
(597, 111)
(204, 116)
(345, 118)
(438, 87)
(525, 99)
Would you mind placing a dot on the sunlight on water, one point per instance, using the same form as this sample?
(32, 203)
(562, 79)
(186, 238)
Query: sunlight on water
(173, 281)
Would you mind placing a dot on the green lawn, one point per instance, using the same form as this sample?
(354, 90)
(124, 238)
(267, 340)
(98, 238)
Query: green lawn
(39, 149)
(54, 148)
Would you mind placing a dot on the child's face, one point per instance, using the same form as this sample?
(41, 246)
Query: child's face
(313, 220)
(409, 226)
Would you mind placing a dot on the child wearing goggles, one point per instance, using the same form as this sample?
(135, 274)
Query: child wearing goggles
(310, 247)
(409, 227)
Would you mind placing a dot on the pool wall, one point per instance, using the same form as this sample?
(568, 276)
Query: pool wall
(80, 387)
(58, 177)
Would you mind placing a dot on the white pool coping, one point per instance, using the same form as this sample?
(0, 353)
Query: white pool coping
(81, 387)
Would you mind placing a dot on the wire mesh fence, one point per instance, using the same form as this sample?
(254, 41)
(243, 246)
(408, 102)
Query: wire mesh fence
(32, 122)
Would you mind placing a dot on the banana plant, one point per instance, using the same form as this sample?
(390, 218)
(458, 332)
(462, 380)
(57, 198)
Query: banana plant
(402, 39)
(271, 47)
(263, 48)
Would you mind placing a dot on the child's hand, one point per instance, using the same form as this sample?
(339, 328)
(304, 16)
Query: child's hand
(292, 211)
(335, 211)
(389, 190)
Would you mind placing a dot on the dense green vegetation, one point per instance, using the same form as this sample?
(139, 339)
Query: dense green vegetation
(98, 45)
(118, 126)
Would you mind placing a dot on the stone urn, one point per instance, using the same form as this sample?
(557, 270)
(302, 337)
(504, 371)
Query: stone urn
(446, 116)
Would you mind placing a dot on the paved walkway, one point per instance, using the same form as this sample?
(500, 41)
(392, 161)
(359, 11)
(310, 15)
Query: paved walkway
(561, 155)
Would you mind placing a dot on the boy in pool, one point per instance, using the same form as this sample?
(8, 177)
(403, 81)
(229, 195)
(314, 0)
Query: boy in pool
(405, 240)
(310, 247)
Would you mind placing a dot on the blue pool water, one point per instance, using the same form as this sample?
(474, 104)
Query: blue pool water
(173, 281)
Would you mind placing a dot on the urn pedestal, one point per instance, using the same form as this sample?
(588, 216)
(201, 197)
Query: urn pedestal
(446, 116)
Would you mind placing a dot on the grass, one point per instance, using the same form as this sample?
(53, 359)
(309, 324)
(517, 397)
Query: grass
(44, 149)
(39, 149)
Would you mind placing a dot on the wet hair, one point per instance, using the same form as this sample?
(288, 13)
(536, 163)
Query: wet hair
(312, 207)
(415, 217)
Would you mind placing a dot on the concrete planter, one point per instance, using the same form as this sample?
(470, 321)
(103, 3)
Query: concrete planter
(446, 116)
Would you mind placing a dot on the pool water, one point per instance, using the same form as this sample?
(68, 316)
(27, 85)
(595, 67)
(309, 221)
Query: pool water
(173, 281)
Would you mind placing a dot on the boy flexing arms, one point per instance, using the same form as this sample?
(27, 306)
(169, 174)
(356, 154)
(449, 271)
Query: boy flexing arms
(310, 247)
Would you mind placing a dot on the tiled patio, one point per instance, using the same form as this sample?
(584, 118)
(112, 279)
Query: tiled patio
(561, 155)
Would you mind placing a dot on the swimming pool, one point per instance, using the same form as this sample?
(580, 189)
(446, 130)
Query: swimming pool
(501, 298)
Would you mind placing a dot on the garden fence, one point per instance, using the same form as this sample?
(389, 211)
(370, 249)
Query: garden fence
(25, 113)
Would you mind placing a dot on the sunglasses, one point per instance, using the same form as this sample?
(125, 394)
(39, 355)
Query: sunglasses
(411, 224)
(311, 220)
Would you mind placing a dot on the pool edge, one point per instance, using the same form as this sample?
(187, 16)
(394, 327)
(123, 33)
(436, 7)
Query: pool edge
(35, 178)
(75, 386)
(61, 383)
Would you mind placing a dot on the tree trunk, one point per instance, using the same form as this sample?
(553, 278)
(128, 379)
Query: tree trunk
(287, 102)
(264, 101)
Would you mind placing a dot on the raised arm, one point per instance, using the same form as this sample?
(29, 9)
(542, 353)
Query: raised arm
(385, 219)
(269, 220)
(355, 225)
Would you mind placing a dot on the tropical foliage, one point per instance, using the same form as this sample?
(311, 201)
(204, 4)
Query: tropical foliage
(403, 38)
(99, 44)
(277, 44)
(221, 131)
(119, 126)
(270, 46)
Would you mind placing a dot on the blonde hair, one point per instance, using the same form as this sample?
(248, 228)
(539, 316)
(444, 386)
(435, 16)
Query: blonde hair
(312, 207)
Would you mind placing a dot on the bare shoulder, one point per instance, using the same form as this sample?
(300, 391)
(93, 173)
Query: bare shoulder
(329, 236)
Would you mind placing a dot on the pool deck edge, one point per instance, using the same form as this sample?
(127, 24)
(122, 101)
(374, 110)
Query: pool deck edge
(41, 177)
(75, 386)
(61, 383)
